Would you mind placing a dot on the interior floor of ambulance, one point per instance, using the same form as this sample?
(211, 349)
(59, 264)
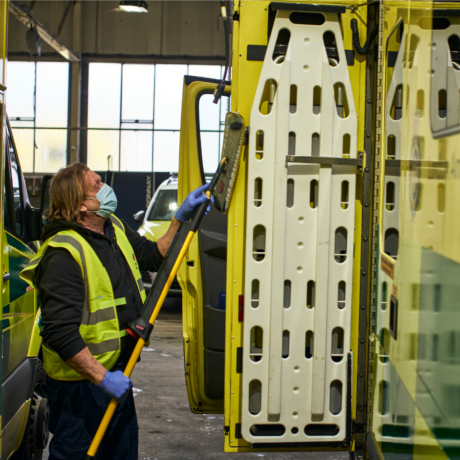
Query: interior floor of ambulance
(168, 430)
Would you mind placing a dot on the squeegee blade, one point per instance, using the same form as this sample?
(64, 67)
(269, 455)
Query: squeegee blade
(232, 147)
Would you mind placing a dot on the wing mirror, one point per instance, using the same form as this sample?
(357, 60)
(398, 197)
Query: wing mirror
(45, 197)
(139, 217)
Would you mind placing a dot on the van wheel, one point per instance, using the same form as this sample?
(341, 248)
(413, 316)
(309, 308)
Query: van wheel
(36, 434)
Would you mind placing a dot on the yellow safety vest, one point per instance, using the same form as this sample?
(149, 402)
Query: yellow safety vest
(99, 326)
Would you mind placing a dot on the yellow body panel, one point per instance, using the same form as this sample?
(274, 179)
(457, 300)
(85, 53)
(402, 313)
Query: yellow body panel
(35, 340)
(3, 58)
(10, 436)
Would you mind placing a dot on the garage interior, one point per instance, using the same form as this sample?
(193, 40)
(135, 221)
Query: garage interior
(90, 82)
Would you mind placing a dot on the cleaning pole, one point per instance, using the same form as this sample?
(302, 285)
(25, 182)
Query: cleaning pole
(141, 327)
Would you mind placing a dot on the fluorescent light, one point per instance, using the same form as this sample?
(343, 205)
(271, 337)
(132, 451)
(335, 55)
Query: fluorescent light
(133, 6)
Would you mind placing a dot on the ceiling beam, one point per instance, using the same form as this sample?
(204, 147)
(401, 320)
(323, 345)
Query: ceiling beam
(24, 16)
(64, 16)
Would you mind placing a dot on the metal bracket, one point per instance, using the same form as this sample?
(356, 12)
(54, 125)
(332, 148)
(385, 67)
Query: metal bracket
(352, 8)
(320, 8)
(246, 136)
(332, 161)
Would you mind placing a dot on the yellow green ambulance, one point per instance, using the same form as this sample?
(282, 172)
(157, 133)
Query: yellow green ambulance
(24, 408)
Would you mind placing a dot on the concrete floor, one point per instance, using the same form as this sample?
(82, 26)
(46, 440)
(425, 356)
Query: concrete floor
(168, 430)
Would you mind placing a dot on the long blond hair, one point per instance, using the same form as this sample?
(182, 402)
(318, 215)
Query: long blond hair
(68, 191)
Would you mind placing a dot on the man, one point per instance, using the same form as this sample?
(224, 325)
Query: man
(89, 283)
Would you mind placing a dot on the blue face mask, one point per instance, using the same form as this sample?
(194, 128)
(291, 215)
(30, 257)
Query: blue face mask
(108, 201)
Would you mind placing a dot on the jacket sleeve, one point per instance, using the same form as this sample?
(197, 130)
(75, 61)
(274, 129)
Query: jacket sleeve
(62, 296)
(147, 254)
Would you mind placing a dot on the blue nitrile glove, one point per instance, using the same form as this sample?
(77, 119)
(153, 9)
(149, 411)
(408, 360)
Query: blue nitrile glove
(193, 200)
(116, 385)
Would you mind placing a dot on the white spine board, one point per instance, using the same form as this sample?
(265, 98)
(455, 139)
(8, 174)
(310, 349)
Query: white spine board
(297, 245)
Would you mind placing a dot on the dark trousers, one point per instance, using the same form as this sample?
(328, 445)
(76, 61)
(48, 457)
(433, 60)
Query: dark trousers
(76, 409)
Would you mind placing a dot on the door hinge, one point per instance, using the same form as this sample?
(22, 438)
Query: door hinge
(238, 431)
(236, 16)
(358, 427)
(239, 360)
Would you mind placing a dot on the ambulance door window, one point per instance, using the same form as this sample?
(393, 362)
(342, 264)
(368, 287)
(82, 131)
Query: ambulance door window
(6, 195)
(210, 127)
(17, 216)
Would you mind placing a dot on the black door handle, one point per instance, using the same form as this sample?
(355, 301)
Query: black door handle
(6, 277)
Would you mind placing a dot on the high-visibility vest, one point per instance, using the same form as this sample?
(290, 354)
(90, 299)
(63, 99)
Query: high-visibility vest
(99, 326)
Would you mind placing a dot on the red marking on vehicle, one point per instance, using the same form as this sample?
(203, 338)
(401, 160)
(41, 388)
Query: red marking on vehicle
(221, 185)
(141, 328)
(29, 288)
(241, 308)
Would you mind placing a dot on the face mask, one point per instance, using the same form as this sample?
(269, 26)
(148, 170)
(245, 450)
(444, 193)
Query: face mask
(108, 201)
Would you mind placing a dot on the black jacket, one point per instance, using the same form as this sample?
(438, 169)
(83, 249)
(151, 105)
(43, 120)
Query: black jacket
(62, 291)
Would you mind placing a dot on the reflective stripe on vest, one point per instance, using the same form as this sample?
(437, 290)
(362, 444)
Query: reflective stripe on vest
(99, 327)
(127, 250)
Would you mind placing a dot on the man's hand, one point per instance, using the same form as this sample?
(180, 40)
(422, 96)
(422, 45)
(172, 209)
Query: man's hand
(194, 199)
(116, 385)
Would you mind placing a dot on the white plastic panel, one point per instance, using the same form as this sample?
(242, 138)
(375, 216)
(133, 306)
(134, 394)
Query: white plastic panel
(284, 395)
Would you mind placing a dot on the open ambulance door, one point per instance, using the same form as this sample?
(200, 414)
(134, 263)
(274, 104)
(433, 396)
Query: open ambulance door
(202, 275)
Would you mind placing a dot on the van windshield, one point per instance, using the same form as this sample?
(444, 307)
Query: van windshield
(165, 206)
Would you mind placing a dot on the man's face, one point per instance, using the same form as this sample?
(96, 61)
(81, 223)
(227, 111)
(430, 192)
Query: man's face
(94, 184)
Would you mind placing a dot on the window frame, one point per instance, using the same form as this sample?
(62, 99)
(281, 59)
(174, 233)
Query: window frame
(197, 121)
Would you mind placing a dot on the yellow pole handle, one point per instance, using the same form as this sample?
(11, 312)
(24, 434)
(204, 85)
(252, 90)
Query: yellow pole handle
(137, 351)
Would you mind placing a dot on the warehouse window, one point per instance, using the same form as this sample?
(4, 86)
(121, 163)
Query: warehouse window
(37, 104)
(104, 100)
(134, 115)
